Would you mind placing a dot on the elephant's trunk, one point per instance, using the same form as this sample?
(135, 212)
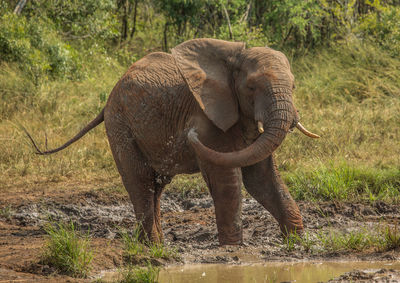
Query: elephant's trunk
(279, 120)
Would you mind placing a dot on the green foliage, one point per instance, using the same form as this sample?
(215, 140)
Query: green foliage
(67, 250)
(90, 19)
(35, 46)
(296, 22)
(180, 13)
(383, 27)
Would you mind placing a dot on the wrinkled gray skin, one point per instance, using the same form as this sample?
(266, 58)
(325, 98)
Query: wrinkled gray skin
(197, 110)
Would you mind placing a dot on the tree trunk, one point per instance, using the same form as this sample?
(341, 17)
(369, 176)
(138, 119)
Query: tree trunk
(134, 19)
(21, 4)
(165, 40)
(228, 20)
(124, 28)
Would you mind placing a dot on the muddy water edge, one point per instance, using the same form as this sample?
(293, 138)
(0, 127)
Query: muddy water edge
(189, 228)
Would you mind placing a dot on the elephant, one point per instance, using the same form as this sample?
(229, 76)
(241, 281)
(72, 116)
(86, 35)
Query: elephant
(209, 106)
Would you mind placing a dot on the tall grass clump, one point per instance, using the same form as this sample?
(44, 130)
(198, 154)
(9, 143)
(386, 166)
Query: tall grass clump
(67, 250)
(391, 238)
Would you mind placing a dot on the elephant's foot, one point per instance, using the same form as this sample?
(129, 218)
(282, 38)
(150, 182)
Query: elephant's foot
(152, 232)
(292, 223)
(156, 238)
(223, 241)
(152, 236)
(232, 236)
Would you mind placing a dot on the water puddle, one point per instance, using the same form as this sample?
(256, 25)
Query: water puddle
(298, 272)
(268, 272)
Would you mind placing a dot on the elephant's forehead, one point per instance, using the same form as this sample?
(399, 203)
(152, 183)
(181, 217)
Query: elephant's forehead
(263, 56)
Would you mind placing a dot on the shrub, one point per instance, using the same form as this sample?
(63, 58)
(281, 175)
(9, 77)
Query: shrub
(36, 47)
(383, 27)
(67, 250)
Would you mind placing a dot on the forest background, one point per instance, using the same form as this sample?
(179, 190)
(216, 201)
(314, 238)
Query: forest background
(60, 59)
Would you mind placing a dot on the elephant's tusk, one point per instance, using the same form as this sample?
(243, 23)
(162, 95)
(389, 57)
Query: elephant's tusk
(260, 127)
(306, 132)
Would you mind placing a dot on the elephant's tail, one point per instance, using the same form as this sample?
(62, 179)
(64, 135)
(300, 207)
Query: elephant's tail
(95, 122)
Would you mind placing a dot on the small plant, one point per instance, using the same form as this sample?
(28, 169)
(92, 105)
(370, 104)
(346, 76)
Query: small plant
(352, 241)
(132, 244)
(67, 250)
(290, 241)
(6, 212)
(158, 250)
(136, 249)
(391, 238)
(135, 274)
(294, 240)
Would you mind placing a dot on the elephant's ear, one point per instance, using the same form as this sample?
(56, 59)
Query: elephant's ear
(204, 64)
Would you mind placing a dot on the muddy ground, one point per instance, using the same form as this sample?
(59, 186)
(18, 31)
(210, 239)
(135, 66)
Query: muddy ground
(188, 225)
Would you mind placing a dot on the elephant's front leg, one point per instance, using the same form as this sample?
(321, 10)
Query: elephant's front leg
(263, 182)
(225, 188)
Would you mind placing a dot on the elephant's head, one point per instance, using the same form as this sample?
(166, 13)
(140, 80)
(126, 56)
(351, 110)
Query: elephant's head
(227, 81)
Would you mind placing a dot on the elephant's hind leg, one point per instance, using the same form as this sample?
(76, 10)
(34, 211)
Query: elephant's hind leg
(139, 180)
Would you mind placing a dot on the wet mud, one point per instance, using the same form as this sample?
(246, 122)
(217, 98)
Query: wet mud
(188, 224)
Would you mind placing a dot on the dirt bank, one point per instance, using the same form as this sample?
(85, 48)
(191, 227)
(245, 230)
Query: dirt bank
(188, 225)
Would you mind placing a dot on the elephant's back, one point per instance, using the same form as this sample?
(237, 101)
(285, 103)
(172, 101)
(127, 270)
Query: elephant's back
(154, 101)
(155, 72)
(155, 77)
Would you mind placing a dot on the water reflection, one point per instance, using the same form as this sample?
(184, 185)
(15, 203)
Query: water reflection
(267, 272)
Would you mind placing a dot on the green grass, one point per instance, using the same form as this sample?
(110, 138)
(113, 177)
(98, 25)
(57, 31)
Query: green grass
(132, 244)
(136, 250)
(335, 241)
(158, 250)
(349, 94)
(378, 238)
(188, 185)
(345, 182)
(391, 238)
(135, 274)
(67, 250)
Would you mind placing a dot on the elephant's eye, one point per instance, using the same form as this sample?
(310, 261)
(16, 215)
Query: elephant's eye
(294, 86)
(251, 88)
